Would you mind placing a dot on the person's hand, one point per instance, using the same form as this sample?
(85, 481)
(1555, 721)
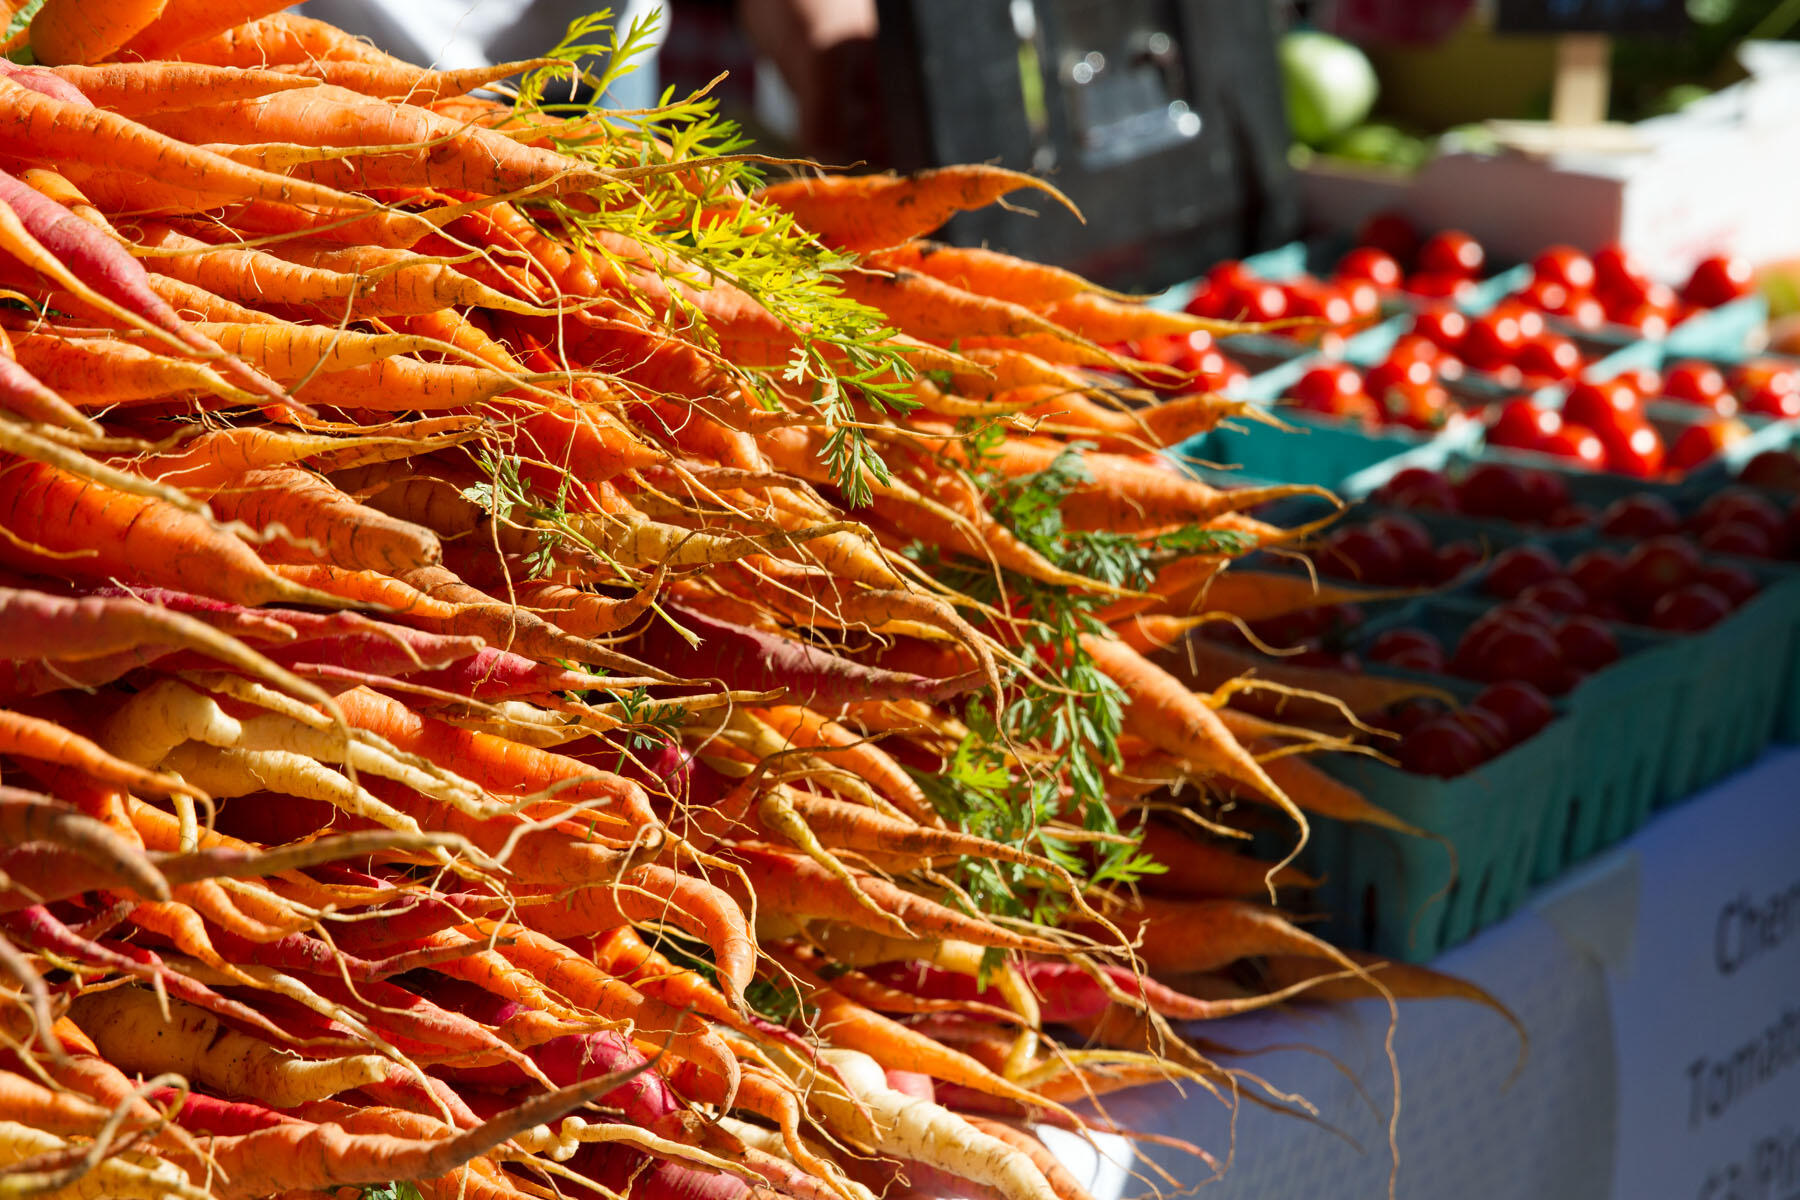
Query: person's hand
(825, 51)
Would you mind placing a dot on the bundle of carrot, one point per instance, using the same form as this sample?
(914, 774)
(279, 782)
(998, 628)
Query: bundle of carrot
(535, 664)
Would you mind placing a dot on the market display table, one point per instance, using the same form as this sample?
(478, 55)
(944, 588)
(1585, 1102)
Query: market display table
(1660, 986)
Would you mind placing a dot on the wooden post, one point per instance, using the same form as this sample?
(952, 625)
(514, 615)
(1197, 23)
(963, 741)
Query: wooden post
(1583, 79)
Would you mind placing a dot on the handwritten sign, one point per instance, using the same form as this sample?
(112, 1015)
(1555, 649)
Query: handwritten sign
(1590, 16)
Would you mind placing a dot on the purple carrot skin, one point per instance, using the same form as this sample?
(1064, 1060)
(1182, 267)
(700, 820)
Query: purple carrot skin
(44, 83)
(493, 674)
(623, 1169)
(752, 660)
(221, 1118)
(106, 267)
(408, 921)
(298, 952)
(397, 1012)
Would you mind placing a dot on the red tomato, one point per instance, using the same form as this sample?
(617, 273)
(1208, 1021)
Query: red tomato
(1493, 340)
(1489, 729)
(1739, 506)
(1364, 297)
(1408, 715)
(1699, 443)
(1522, 708)
(1440, 747)
(1642, 515)
(1416, 347)
(1545, 491)
(1520, 567)
(1319, 387)
(1645, 381)
(1394, 372)
(1522, 425)
(1615, 266)
(1310, 298)
(1559, 595)
(1564, 265)
(1519, 651)
(1390, 232)
(1549, 356)
(1571, 516)
(1261, 302)
(1584, 312)
(1544, 295)
(1718, 280)
(1700, 384)
(1414, 649)
(1729, 580)
(1359, 552)
(1442, 324)
(1635, 449)
(1374, 265)
(1647, 319)
(1416, 487)
(1579, 443)
(1771, 400)
(1600, 405)
(1499, 490)
(1451, 252)
(1410, 540)
(1455, 558)
(1689, 609)
(1760, 372)
(1778, 470)
(1596, 572)
(1740, 538)
(1439, 287)
(1587, 643)
(1654, 568)
(1415, 405)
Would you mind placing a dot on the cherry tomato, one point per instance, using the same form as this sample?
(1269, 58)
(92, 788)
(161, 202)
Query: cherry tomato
(1489, 729)
(1690, 608)
(1699, 443)
(1586, 642)
(1416, 347)
(1642, 515)
(1549, 356)
(1585, 312)
(1394, 372)
(1441, 747)
(1571, 516)
(1564, 265)
(1615, 266)
(1596, 572)
(1319, 386)
(1655, 567)
(1522, 708)
(1207, 301)
(1455, 558)
(1417, 487)
(1544, 295)
(1700, 384)
(1762, 372)
(1778, 470)
(1364, 297)
(1521, 567)
(1414, 649)
(1634, 448)
(1442, 324)
(1558, 595)
(1359, 552)
(1371, 264)
(1739, 506)
(1493, 340)
(1740, 538)
(1415, 405)
(1718, 280)
(1451, 252)
(1500, 490)
(1522, 425)
(1262, 302)
(1645, 381)
(1729, 580)
(1545, 492)
(1771, 399)
(1411, 542)
(1310, 298)
(1600, 405)
(1390, 232)
(1518, 651)
(1438, 286)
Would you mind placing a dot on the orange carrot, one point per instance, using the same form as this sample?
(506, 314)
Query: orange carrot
(985, 272)
(869, 212)
(183, 22)
(314, 513)
(48, 130)
(134, 88)
(277, 39)
(84, 31)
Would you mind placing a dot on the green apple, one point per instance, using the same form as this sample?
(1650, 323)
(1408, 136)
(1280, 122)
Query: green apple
(1329, 84)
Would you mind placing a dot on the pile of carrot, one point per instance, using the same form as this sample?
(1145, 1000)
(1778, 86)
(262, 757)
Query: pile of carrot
(534, 663)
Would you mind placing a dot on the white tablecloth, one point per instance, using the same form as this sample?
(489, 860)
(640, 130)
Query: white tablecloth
(1660, 985)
